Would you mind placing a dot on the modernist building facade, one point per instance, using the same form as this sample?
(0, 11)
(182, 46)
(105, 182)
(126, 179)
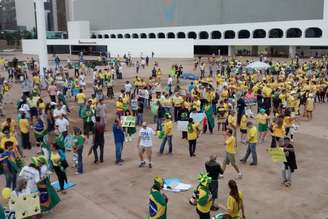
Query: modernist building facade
(228, 27)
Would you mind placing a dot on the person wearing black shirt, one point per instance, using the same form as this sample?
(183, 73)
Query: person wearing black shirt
(99, 140)
(213, 169)
(290, 166)
(240, 108)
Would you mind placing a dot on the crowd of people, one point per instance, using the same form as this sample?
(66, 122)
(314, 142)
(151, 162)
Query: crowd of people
(247, 105)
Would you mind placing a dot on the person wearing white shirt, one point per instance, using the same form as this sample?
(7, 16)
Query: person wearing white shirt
(62, 125)
(127, 87)
(145, 144)
(32, 176)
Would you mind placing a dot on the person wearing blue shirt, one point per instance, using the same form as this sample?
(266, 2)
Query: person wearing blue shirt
(118, 133)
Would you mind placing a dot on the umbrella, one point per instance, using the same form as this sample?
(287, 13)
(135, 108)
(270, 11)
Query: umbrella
(258, 66)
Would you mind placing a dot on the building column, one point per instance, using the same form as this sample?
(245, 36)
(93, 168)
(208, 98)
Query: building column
(42, 36)
(231, 50)
(292, 51)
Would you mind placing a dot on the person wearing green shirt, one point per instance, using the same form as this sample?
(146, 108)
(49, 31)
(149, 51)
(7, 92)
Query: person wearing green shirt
(87, 116)
(157, 200)
(78, 149)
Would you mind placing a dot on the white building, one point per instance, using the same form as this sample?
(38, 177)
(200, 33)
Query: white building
(182, 28)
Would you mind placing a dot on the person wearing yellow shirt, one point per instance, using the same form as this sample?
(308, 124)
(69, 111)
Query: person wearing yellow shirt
(11, 123)
(168, 133)
(203, 198)
(80, 99)
(243, 128)
(192, 135)
(262, 120)
(119, 107)
(232, 122)
(252, 141)
(267, 93)
(6, 138)
(230, 152)
(235, 205)
(25, 132)
(224, 93)
(278, 131)
(221, 116)
(177, 103)
(309, 106)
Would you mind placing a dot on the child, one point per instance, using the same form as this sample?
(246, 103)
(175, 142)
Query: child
(290, 165)
(243, 128)
(79, 140)
(262, 118)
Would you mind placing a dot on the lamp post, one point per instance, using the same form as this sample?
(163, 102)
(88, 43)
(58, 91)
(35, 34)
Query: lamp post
(42, 36)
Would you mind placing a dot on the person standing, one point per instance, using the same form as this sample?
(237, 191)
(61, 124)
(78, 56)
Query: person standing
(99, 140)
(80, 99)
(192, 135)
(101, 111)
(25, 132)
(157, 200)
(168, 134)
(59, 165)
(252, 141)
(79, 140)
(52, 91)
(118, 133)
(214, 169)
(230, 154)
(290, 166)
(203, 197)
(88, 116)
(145, 144)
(62, 125)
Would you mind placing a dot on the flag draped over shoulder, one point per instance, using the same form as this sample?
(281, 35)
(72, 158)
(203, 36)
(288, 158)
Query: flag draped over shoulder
(48, 196)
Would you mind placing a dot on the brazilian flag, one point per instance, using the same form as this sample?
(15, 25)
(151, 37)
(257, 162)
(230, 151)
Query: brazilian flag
(157, 205)
(48, 196)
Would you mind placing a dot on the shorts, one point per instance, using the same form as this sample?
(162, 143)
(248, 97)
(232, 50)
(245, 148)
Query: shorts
(263, 127)
(229, 158)
(142, 149)
(243, 131)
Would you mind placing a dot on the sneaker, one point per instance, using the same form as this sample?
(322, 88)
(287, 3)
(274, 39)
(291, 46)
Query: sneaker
(77, 173)
(221, 176)
(142, 164)
(252, 164)
(242, 161)
(240, 175)
(150, 166)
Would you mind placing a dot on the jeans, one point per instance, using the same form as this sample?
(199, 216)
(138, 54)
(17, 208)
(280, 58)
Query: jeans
(192, 147)
(158, 123)
(139, 118)
(118, 151)
(80, 160)
(287, 174)
(176, 113)
(95, 150)
(11, 180)
(251, 149)
(169, 139)
(81, 106)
